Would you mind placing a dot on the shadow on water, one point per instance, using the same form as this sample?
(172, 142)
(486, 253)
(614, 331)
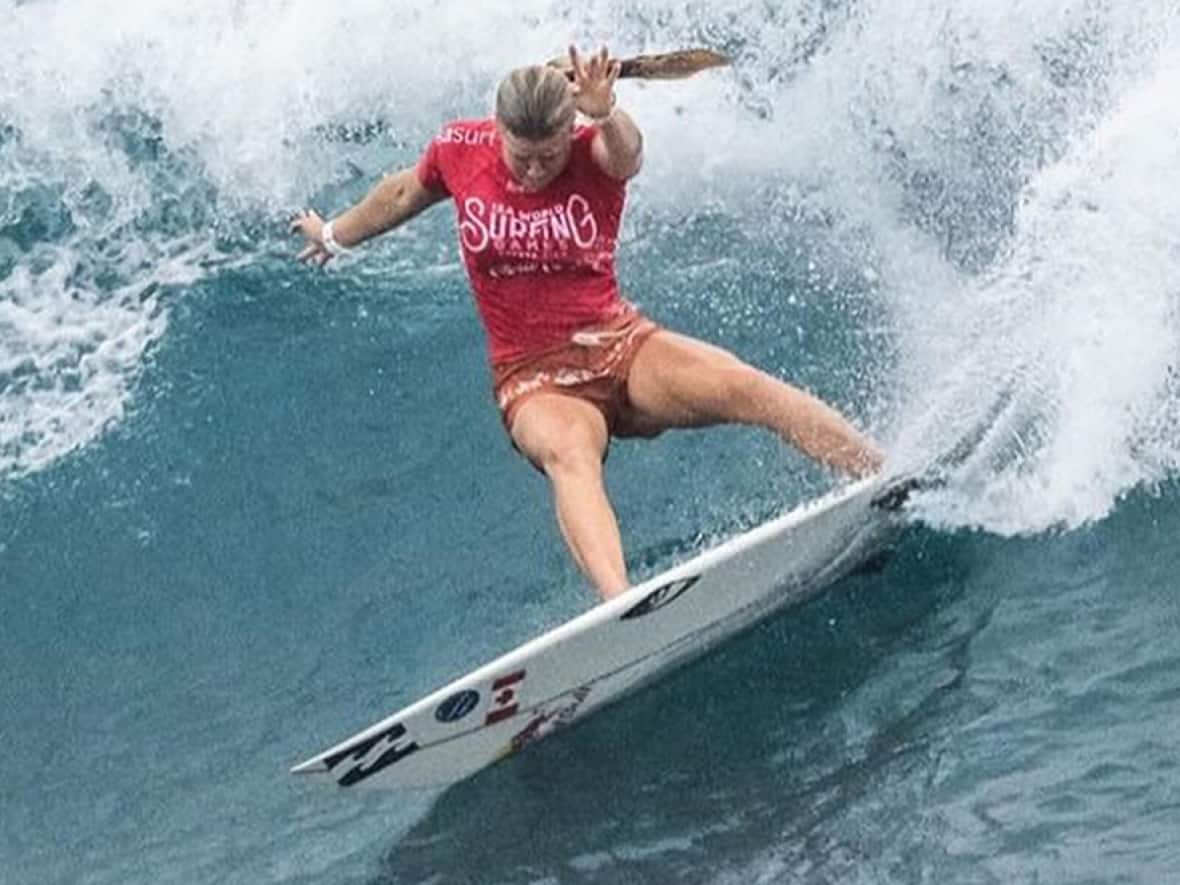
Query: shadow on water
(758, 742)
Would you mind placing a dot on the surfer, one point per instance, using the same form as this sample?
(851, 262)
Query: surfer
(539, 199)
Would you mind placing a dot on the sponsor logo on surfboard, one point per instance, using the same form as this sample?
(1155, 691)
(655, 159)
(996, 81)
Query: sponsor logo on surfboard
(504, 700)
(457, 706)
(547, 720)
(659, 597)
(371, 755)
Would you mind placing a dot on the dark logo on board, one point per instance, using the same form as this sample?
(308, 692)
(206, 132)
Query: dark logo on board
(659, 597)
(457, 706)
(556, 714)
(367, 757)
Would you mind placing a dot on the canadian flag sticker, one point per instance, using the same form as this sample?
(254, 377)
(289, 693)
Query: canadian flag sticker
(504, 702)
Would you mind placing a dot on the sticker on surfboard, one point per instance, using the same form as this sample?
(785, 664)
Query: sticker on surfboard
(658, 598)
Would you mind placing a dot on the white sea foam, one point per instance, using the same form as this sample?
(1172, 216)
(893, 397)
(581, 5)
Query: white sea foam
(1002, 175)
(1078, 326)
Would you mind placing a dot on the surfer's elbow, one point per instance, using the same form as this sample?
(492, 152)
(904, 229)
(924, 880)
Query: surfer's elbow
(399, 197)
(395, 197)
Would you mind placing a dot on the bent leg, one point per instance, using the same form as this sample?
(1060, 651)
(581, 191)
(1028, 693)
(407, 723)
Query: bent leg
(677, 381)
(567, 438)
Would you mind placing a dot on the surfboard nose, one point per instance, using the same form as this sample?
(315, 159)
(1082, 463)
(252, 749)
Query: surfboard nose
(311, 766)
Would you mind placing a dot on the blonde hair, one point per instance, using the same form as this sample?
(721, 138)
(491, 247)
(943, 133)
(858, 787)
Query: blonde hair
(535, 102)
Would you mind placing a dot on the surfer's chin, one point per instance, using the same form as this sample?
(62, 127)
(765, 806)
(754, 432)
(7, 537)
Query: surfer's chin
(530, 185)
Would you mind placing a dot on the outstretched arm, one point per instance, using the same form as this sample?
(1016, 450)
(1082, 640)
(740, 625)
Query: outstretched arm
(618, 146)
(397, 198)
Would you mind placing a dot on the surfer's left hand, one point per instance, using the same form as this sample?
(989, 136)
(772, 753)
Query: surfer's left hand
(594, 82)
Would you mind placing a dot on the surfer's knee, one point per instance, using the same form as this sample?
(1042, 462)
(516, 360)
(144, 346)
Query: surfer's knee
(571, 457)
(563, 441)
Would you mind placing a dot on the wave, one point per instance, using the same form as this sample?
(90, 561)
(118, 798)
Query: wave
(994, 186)
(1077, 325)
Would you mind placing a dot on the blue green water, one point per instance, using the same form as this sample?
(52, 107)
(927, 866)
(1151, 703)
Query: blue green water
(248, 507)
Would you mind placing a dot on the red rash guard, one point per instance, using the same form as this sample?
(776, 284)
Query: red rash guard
(541, 265)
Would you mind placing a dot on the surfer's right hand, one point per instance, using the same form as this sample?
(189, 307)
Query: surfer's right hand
(311, 225)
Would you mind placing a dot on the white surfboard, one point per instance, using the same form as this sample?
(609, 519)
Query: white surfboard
(612, 649)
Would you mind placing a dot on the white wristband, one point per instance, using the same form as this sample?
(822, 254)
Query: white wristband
(328, 238)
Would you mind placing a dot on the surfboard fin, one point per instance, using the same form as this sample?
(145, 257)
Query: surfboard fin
(896, 495)
(875, 564)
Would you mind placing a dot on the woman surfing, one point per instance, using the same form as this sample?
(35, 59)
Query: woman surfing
(539, 198)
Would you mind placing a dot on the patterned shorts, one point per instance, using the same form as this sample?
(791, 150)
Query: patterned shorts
(592, 366)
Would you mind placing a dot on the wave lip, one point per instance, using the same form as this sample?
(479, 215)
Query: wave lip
(1079, 325)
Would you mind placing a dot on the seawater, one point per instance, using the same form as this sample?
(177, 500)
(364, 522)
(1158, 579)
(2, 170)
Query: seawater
(247, 507)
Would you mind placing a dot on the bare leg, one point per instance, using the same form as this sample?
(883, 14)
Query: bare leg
(678, 381)
(567, 438)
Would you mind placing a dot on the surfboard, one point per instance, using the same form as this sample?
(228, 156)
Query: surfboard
(608, 652)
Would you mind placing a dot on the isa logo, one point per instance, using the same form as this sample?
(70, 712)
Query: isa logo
(457, 706)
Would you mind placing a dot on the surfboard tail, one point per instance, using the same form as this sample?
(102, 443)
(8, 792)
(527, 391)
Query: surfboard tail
(899, 491)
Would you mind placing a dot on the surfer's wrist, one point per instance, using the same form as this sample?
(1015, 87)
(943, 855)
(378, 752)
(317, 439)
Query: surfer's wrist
(602, 119)
(330, 243)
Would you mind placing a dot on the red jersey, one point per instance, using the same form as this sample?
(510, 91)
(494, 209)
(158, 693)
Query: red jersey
(541, 265)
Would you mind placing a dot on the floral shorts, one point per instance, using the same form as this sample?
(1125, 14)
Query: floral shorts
(592, 366)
